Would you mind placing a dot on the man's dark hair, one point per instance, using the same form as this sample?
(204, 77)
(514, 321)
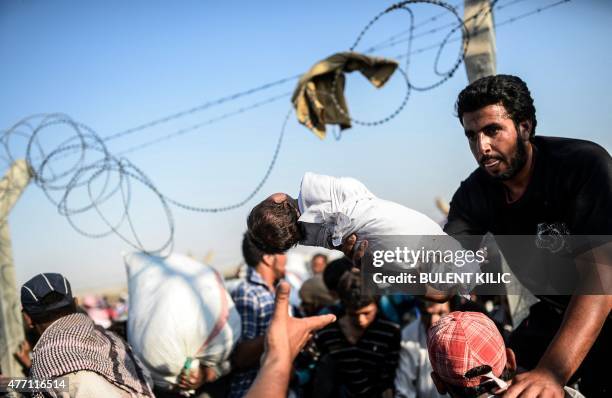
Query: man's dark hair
(510, 91)
(274, 227)
(486, 387)
(334, 271)
(250, 252)
(54, 314)
(351, 293)
(423, 304)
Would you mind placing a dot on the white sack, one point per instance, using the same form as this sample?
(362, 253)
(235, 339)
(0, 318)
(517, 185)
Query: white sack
(178, 308)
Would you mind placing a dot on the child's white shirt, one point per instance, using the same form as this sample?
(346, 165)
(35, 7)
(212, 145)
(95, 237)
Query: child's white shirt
(333, 208)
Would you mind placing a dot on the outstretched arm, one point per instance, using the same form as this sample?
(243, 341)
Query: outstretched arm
(581, 325)
(285, 338)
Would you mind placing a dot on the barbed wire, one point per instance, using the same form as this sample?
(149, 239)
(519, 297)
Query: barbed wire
(392, 40)
(210, 104)
(404, 73)
(202, 107)
(208, 122)
(82, 165)
(510, 20)
(226, 99)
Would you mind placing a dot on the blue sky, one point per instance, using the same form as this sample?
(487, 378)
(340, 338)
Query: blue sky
(113, 65)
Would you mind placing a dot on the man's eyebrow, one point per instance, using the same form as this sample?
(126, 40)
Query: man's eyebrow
(493, 125)
(488, 127)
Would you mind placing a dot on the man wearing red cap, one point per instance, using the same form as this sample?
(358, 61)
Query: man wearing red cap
(469, 358)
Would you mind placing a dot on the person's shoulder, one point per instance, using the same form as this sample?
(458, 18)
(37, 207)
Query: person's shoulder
(245, 290)
(476, 180)
(571, 150)
(382, 325)
(475, 187)
(330, 332)
(410, 332)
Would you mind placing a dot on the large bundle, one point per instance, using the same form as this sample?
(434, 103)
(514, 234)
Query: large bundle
(178, 309)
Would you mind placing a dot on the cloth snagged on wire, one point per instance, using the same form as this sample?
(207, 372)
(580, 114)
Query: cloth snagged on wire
(312, 98)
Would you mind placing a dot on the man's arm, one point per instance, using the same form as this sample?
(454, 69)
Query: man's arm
(583, 320)
(250, 347)
(285, 337)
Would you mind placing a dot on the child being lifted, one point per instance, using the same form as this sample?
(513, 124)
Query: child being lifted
(329, 209)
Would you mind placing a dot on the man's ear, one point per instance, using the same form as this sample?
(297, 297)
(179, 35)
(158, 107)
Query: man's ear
(440, 386)
(525, 130)
(268, 259)
(510, 360)
(28, 321)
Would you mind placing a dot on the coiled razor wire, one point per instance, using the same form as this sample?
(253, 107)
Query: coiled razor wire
(404, 73)
(92, 164)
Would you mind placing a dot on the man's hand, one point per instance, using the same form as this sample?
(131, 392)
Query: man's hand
(286, 335)
(285, 338)
(355, 254)
(193, 379)
(536, 383)
(23, 354)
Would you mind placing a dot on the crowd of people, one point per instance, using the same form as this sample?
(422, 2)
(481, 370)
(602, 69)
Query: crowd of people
(346, 341)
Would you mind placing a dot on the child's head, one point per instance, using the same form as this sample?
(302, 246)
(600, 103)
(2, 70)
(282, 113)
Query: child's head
(273, 224)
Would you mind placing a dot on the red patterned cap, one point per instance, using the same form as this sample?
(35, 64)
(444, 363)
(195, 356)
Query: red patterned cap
(462, 341)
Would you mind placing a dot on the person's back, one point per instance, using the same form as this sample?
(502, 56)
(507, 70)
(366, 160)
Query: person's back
(94, 361)
(75, 348)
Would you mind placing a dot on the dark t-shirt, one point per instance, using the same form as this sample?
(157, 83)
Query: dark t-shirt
(366, 368)
(570, 192)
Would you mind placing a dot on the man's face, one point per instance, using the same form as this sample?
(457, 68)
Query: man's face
(318, 264)
(278, 265)
(433, 313)
(364, 316)
(494, 141)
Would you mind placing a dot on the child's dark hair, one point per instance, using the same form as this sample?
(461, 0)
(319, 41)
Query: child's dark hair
(334, 271)
(273, 227)
(351, 293)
